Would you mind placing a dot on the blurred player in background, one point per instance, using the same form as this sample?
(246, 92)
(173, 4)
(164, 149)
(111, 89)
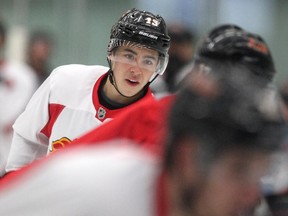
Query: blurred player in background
(17, 84)
(39, 50)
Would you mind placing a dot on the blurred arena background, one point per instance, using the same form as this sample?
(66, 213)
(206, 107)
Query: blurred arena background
(81, 28)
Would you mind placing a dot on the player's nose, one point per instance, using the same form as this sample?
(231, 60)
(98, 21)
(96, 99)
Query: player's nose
(135, 70)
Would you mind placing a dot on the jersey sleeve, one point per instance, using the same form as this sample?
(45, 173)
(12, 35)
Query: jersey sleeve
(18, 160)
(29, 143)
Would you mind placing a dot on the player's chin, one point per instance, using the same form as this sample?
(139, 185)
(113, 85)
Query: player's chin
(131, 94)
(134, 91)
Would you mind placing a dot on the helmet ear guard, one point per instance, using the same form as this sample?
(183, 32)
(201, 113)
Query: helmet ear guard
(163, 62)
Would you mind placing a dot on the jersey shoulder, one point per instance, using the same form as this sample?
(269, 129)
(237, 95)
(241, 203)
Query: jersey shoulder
(77, 80)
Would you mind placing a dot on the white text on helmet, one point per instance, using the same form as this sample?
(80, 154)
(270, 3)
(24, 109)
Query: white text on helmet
(148, 35)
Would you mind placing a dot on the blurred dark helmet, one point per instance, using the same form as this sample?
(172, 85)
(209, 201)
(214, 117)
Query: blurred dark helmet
(236, 44)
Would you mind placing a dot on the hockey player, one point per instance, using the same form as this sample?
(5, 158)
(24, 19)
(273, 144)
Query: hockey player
(17, 84)
(77, 98)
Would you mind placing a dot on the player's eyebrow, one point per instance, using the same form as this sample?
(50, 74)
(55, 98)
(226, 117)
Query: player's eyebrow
(135, 53)
(130, 50)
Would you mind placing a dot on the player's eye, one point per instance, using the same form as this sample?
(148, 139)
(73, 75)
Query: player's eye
(129, 57)
(149, 61)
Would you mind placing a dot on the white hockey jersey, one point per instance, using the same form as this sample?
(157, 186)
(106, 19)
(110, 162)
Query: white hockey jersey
(64, 107)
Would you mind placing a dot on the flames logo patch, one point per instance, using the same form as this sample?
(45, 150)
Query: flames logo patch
(258, 46)
(60, 143)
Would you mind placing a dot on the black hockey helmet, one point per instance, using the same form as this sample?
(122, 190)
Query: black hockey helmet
(142, 29)
(233, 42)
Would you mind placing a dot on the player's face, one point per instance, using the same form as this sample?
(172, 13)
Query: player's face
(133, 67)
(232, 185)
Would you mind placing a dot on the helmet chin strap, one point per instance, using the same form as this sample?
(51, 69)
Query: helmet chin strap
(113, 82)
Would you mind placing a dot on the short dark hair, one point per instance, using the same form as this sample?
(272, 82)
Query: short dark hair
(234, 118)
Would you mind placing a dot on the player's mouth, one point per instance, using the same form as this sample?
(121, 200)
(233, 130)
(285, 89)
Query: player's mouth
(132, 82)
